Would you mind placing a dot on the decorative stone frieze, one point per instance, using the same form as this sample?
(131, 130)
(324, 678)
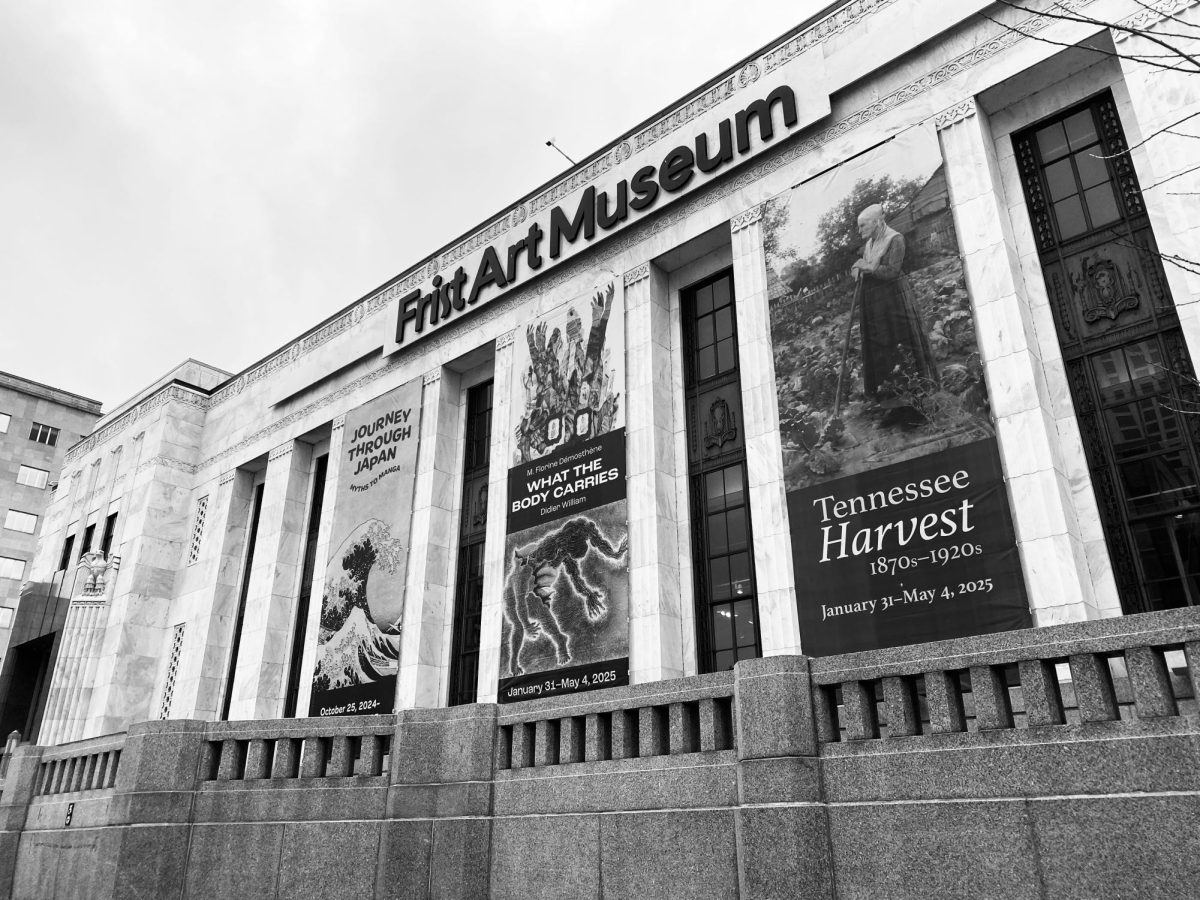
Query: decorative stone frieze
(954, 114)
(637, 274)
(744, 219)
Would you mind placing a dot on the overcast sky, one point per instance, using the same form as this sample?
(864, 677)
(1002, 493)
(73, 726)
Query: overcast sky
(210, 179)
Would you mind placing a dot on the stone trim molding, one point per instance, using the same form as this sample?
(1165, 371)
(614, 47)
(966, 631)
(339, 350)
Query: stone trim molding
(166, 394)
(506, 339)
(432, 377)
(339, 422)
(226, 477)
(169, 462)
(1153, 13)
(281, 451)
(952, 115)
(638, 273)
(745, 219)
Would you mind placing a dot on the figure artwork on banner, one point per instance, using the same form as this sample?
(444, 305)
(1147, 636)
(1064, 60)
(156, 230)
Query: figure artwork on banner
(900, 521)
(362, 607)
(566, 591)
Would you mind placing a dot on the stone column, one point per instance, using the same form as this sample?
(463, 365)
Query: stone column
(1014, 338)
(427, 598)
(656, 621)
(308, 661)
(203, 663)
(779, 618)
(495, 563)
(1163, 103)
(259, 682)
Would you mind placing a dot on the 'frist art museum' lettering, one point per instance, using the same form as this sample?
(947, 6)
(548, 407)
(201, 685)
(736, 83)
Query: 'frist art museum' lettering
(595, 210)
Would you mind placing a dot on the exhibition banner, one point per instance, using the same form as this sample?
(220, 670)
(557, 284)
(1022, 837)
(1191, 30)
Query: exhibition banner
(566, 590)
(901, 529)
(362, 608)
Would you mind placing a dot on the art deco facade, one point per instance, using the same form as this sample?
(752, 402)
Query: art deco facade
(687, 280)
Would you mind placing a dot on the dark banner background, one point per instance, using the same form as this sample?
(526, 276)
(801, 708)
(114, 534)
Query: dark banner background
(964, 584)
(597, 457)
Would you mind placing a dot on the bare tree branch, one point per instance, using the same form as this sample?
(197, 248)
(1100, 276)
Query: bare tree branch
(1162, 181)
(1079, 18)
(1100, 50)
(1165, 128)
(1166, 15)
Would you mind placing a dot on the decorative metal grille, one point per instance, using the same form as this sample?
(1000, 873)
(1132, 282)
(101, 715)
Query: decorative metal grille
(197, 530)
(172, 670)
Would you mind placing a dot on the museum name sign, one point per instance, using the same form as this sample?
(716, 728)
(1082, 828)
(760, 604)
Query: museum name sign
(491, 265)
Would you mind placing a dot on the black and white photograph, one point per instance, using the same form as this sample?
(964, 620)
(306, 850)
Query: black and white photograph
(876, 359)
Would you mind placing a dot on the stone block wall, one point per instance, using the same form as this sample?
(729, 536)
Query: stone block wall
(1056, 762)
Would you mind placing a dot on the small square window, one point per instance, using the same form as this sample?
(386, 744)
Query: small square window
(43, 434)
(5, 418)
(24, 522)
(12, 568)
(32, 476)
(6, 616)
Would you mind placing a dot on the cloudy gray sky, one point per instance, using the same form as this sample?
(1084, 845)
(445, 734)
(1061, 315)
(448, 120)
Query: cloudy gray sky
(210, 179)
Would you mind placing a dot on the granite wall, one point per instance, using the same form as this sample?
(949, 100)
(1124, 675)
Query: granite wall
(1055, 762)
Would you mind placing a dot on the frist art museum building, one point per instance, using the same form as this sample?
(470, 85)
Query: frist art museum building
(799, 497)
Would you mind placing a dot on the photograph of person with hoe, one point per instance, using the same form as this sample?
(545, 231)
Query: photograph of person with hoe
(875, 352)
(901, 530)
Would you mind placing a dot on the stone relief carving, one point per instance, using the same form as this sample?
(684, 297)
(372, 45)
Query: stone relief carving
(96, 567)
(634, 275)
(959, 112)
(745, 219)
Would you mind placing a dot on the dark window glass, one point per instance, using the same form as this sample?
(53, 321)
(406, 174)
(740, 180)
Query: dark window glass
(468, 589)
(65, 559)
(726, 605)
(291, 696)
(110, 527)
(88, 534)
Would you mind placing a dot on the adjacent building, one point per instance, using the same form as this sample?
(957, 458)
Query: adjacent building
(884, 335)
(37, 425)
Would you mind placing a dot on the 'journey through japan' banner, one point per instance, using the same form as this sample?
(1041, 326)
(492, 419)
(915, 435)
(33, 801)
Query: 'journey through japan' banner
(566, 591)
(362, 608)
(901, 531)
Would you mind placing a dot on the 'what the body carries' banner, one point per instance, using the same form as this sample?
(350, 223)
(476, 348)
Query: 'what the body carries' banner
(362, 609)
(566, 590)
(901, 530)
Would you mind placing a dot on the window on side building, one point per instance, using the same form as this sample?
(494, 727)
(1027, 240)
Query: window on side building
(5, 418)
(24, 522)
(32, 476)
(12, 568)
(43, 434)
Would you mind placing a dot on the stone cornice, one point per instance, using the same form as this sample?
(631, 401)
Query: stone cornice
(432, 377)
(506, 339)
(165, 395)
